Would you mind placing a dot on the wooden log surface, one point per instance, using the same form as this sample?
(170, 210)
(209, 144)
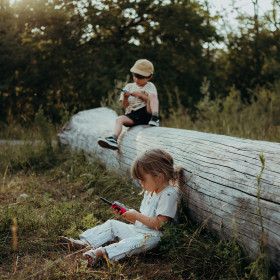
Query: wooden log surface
(220, 172)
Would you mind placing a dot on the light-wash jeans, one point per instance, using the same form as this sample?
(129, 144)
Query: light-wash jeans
(133, 240)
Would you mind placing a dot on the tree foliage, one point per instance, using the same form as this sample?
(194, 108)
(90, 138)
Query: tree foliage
(69, 54)
(251, 58)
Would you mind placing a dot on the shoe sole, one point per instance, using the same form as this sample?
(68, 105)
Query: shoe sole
(152, 123)
(106, 145)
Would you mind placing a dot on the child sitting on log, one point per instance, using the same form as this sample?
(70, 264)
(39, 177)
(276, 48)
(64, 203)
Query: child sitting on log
(139, 100)
(155, 171)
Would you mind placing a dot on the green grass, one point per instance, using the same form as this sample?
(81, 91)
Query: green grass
(63, 192)
(62, 198)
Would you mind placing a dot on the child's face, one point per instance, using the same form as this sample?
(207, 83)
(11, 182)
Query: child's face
(140, 82)
(150, 183)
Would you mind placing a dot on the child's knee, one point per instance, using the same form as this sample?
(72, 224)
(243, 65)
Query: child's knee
(123, 120)
(109, 222)
(120, 120)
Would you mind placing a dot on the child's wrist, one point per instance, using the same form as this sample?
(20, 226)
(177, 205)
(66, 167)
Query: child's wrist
(136, 215)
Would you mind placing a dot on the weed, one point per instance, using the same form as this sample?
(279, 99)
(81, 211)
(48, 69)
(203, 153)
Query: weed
(260, 267)
(230, 115)
(112, 100)
(45, 128)
(196, 255)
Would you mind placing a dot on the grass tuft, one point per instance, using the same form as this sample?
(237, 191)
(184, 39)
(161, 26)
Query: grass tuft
(38, 205)
(47, 192)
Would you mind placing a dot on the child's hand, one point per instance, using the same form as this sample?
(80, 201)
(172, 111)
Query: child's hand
(118, 212)
(130, 215)
(127, 93)
(137, 94)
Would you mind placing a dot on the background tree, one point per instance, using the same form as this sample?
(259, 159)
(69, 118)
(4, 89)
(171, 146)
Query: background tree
(250, 53)
(73, 51)
(65, 53)
(10, 58)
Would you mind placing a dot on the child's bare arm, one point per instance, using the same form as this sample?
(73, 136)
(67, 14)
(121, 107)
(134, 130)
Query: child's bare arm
(124, 101)
(151, 222)
(141, 95)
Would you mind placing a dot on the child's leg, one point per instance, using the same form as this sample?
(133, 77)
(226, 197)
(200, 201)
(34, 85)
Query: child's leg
(111, 142)
(120, 121)
(152, 104)
(72, 244)
(135, 244)
(152, 108)
(108, 231)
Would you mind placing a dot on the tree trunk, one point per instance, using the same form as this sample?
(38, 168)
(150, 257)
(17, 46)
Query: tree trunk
(221, 175)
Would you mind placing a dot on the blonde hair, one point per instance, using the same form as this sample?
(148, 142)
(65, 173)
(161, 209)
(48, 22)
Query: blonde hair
(154, 162)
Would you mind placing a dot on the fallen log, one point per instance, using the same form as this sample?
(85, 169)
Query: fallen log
(221, 173)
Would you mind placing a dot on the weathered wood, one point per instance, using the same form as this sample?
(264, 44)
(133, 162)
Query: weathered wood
(221, 174)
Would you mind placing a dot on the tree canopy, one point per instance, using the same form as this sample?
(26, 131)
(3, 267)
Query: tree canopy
(69, 54)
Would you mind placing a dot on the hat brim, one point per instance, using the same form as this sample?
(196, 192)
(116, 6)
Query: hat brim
(142, 73)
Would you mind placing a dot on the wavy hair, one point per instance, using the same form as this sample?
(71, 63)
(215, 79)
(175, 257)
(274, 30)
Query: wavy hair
(154, 162)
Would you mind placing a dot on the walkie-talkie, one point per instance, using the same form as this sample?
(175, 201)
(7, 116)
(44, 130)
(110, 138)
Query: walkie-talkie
(123, 90)
(116, 205)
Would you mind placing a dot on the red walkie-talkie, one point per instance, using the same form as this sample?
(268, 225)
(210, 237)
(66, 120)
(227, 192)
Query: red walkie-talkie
(116, 205)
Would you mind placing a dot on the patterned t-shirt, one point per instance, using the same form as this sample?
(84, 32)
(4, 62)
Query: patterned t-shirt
(136, 103)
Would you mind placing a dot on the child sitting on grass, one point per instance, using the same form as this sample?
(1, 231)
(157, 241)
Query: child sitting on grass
(139, 100)
(155, 171)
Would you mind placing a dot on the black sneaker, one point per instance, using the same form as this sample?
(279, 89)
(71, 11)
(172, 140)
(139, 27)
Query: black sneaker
(109, 143)
(154, 121)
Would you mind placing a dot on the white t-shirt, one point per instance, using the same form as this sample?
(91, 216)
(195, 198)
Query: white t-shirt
(136, 103)
(164, 203)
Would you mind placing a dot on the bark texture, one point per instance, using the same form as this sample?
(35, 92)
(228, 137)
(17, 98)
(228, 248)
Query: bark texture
(221, 188)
